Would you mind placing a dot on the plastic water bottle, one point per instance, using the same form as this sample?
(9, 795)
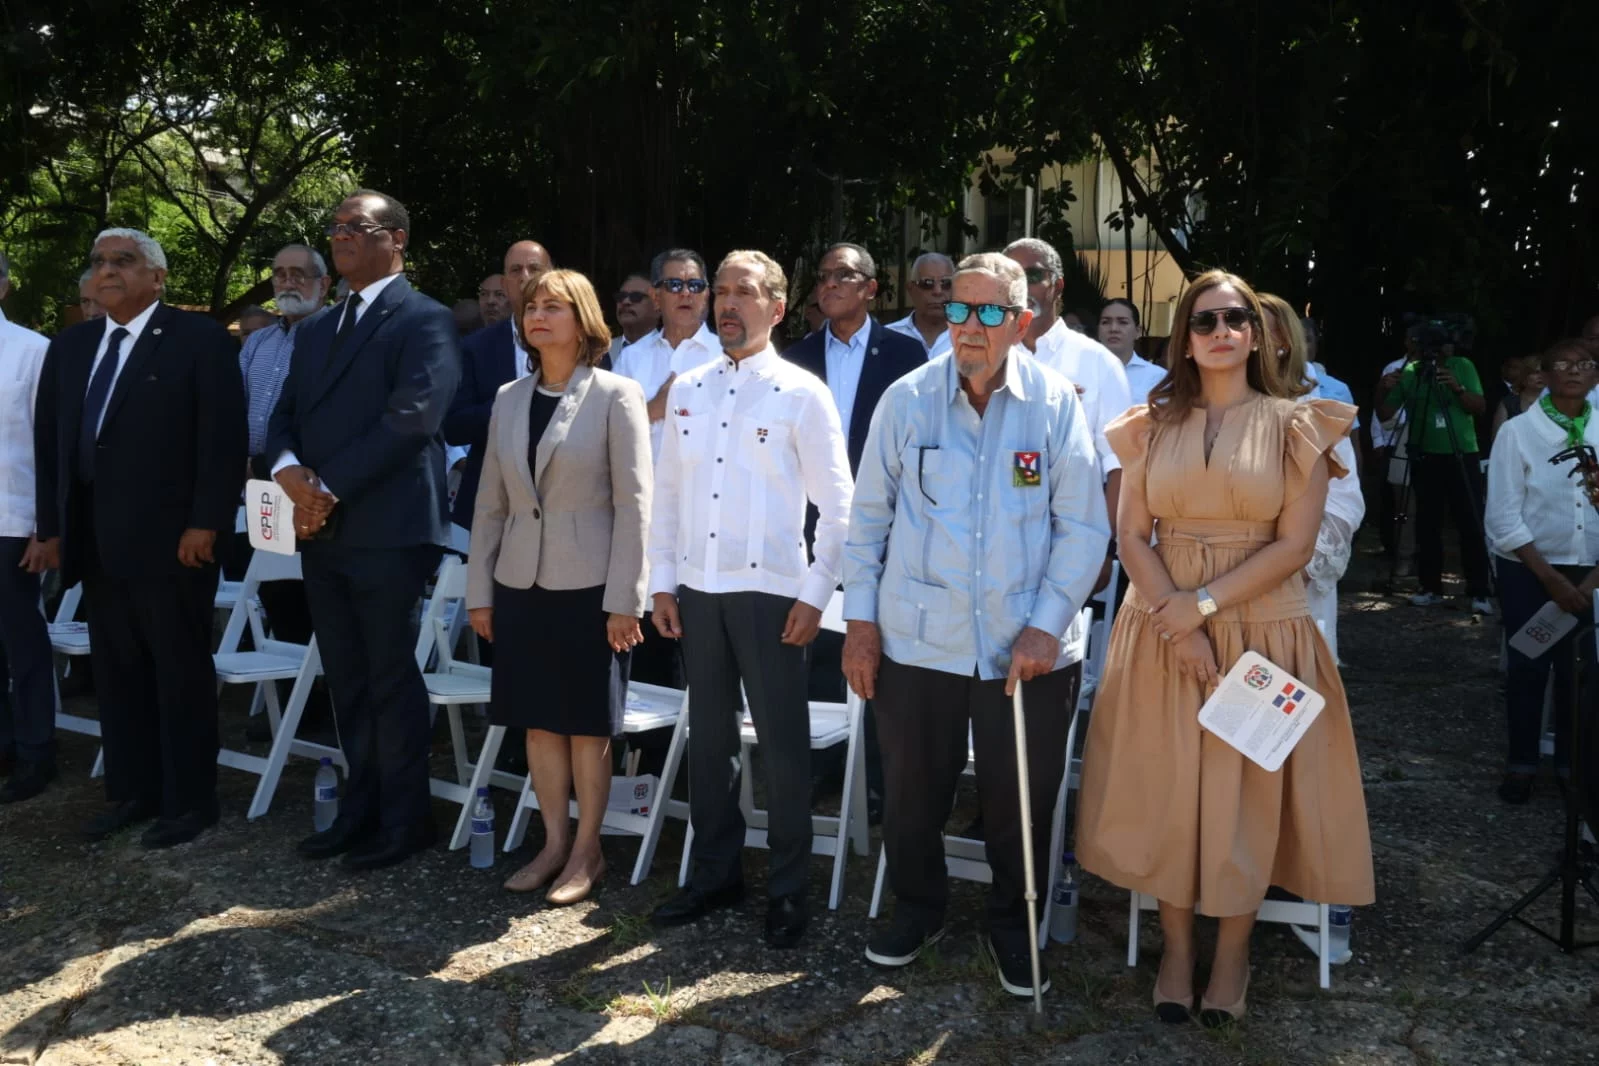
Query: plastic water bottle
(1339, 921)
(327, 795)
(482, 831)
(1063, 915)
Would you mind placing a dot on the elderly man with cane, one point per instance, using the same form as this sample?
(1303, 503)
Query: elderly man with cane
(977, 530)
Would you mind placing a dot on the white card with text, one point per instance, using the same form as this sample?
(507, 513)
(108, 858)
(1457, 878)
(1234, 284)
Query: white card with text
(1261, 709)
(269, 517)
(1543, 630)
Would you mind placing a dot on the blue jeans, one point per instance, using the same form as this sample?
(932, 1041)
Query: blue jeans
(1521, 594)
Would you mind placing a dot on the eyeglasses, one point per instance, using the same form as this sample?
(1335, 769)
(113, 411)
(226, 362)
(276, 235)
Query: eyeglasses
(1561, 365)
(943, 284)
(633, 296)
(1038, 275)
(355, 229)
(842, 276)
(292, 274)
(989, 315)
(1235, 318)
(119, 260)
(675, 286)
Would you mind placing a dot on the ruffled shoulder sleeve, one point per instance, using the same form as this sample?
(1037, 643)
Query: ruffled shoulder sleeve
(1128, 435)
(1312, 430)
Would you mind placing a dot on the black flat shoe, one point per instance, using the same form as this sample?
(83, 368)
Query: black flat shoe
(786, 919)
(1516, 788)
(691, 904)
(389, 846)
(27, 781)
(336, 839)
(118, 818)
(169, 832)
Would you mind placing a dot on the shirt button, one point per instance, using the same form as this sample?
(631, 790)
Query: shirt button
(978, 613)
(713, 536)
(979, 573)
(752, 566)
(716, 495)
(718, 458)
(724, 425)
(979, 534)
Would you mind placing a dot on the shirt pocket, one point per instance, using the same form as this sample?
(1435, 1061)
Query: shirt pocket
(1024, 490)
(693, 437)
(915, 610)
(763, 447)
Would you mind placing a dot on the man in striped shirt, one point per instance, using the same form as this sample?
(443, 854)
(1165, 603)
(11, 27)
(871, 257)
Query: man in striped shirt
(300, 289)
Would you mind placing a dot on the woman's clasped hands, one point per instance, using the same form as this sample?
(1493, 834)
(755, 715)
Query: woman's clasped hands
(1177, 619)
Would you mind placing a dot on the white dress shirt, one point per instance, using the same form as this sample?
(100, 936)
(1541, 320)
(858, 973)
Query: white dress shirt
(650, 360)
(907, 326)
(1533, 501)
(368, 294)
(21, 360)
(135, 328)
(1386, 434)
(746, 444)
(1099, 376)
(845, 360)
(1142, 377)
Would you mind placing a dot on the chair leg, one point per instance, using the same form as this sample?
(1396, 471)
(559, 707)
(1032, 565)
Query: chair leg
(688, 849)
(526, 804)
(283, 735)
(1132, 929)
(1324, 940)
(652, 830)
(860, 830)
(463, 769)
(99, 764)
(877, 885)
(479, 779)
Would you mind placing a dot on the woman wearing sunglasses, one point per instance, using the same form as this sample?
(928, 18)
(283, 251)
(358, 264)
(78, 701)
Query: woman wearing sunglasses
(1229, 473)
(1544, 534)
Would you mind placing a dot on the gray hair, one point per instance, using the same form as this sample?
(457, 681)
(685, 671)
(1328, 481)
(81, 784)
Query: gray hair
(5, 266)
(147, 245)
(317, 262)
(1043, 249)
(868, 264)
(930, 257)
(675, 255)
(1002, 269)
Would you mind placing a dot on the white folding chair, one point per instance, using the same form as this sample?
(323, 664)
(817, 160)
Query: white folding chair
(1288, 912)
(269, 661)
(649, 707)
(70, 637)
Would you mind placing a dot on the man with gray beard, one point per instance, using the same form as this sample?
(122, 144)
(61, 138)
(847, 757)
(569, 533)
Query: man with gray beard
(300, 289)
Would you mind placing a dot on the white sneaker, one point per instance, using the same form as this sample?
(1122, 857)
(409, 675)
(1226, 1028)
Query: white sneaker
(1426, 599)
(1482, 606)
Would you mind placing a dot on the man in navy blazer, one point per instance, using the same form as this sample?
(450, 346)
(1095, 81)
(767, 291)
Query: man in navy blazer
(854, 353)
(489, 358)
(355, 443)
(140, 447)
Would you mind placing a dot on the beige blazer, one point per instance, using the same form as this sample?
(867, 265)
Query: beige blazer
(578, 518)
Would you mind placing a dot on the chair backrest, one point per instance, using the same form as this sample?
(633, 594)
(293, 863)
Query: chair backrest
(67, 609)
(460, 539)
(433, 635)
(264, 566)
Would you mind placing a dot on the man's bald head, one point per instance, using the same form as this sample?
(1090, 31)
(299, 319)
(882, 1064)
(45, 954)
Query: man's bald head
(524, 260)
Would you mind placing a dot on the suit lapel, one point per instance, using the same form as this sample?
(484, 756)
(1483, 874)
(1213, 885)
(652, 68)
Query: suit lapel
(561, 421)
(387, 302)
(134, 368)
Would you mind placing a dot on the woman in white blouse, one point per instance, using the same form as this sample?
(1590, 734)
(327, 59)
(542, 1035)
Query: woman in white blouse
(1544, 531)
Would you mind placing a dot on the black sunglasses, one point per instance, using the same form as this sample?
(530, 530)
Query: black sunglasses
(627, 296)
(1037, 275)
(678, 285)
(356, 229)
(929, 284)
(989, 315)
(1234, 318)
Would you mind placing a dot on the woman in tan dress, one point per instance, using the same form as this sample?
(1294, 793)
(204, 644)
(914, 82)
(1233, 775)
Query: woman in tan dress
(1230, 474)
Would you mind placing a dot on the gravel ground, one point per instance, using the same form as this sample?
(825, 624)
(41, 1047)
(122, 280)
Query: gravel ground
(231, 950)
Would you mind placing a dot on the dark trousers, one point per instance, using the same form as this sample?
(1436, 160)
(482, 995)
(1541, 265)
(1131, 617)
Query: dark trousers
(28, 711)
(656, 661)
(1521, 594)
(362, 605)
(923, 715)
(1440, 483)
(729, 638)
(150, 646)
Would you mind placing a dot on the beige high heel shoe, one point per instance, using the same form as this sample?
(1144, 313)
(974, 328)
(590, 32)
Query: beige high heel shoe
(577, 888)
(532, 877)
(1216, 1016)
(1173, 1011)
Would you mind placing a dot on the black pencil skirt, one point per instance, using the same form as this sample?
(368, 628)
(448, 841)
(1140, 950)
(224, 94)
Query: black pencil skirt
(553, 667)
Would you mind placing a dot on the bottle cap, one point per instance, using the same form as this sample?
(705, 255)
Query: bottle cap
(327, 760)
(483, 791)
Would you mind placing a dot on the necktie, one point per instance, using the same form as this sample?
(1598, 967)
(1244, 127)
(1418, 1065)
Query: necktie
(346, 325)
(94, 403)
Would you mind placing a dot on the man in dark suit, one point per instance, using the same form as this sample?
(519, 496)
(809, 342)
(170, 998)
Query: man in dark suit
(489, 358)
(354, 441)
(854, 353)
(140, 442)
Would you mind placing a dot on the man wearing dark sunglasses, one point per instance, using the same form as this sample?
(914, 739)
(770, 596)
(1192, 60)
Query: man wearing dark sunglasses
(636, 314)
(976, 533)
(931, 282)
(681, 296)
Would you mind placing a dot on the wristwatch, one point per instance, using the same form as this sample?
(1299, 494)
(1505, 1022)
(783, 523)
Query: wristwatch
(1207, 606)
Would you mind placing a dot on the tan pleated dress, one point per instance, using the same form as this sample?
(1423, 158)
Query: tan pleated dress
(1166, 808)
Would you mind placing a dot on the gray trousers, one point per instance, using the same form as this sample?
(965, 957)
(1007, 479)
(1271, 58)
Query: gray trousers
(728, 638)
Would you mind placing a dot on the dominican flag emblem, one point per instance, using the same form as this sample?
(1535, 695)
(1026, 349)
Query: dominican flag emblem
(1290, 697)
(1024, 473)
(760, 434)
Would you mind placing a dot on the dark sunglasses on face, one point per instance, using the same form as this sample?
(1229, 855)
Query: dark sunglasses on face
(1038, 275)
(943, 284)
(1234, 318)
(633, 297)
(989, 315)
(1560, 366)
(678, 285)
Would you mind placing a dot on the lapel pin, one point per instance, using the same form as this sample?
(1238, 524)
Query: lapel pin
(156, 332)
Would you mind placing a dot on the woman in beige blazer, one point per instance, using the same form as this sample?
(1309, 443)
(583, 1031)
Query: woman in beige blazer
(556, 574)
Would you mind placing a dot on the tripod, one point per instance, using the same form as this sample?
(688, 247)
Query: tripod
(1574, 867)
(1416, 413)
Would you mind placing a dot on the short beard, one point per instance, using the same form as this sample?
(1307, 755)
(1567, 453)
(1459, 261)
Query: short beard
(972, 369)
(742, 339)
(293, 305)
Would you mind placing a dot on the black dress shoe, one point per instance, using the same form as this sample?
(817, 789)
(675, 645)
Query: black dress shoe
(8, 762)
(27, 781)
(336, 839)
(169, 832)
(389, 846)
(786, 919)
(118, 818)
(691, 904)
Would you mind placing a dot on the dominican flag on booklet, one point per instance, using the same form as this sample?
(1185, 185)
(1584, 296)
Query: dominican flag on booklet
(1289, 698)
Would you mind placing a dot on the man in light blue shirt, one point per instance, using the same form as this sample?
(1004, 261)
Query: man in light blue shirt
(976, 533)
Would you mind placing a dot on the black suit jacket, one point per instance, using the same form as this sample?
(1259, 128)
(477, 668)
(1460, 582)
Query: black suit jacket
(889, 357)
(171, 450)
(367, 419)
(488, 361)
